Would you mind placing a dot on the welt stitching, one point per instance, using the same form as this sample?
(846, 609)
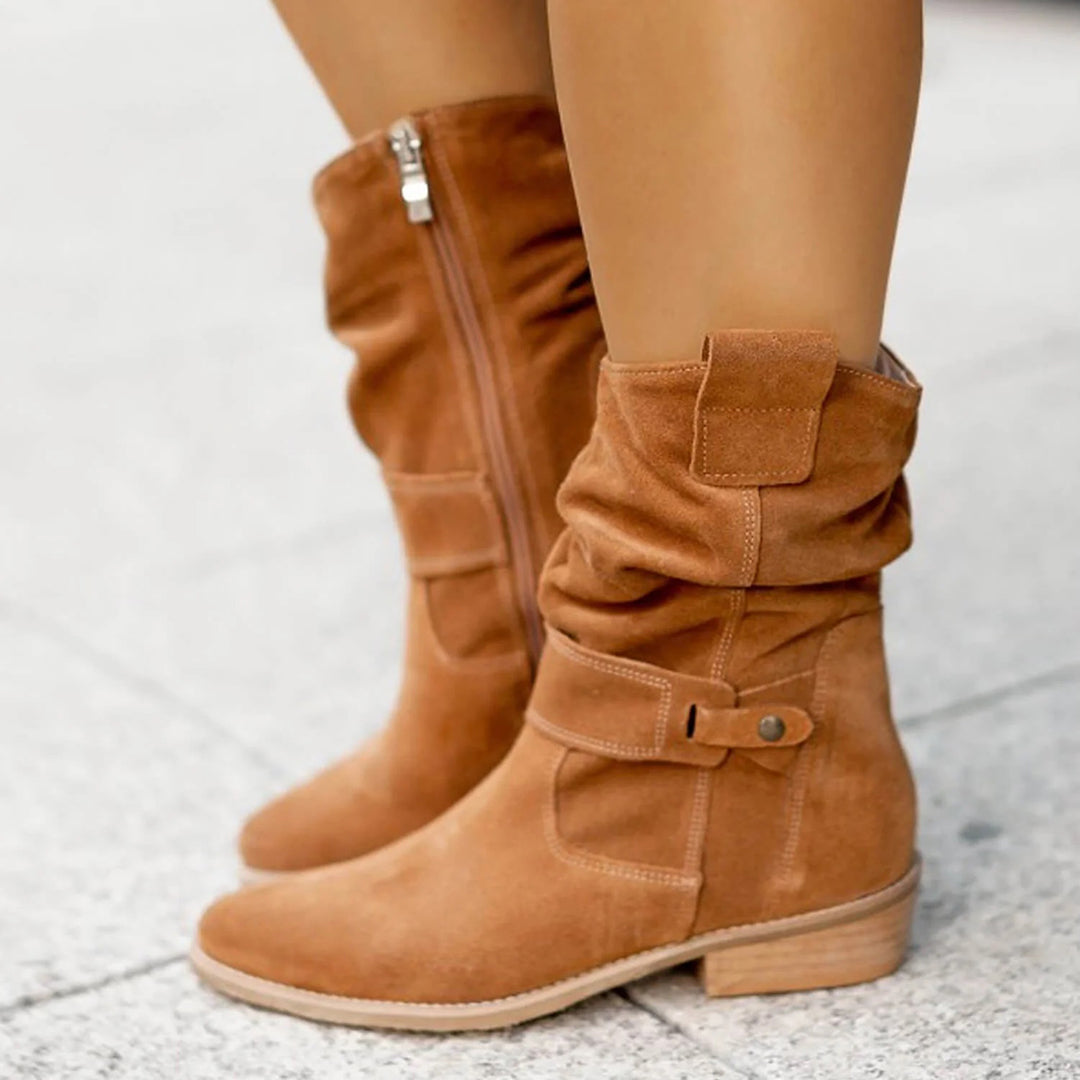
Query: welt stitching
(558, 847)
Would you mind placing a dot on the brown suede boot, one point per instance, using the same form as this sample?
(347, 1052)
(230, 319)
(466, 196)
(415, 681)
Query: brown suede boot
(710, 769)
(457, 273)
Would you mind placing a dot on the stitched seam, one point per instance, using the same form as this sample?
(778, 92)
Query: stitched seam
(587, 861)
(588, 741)
(799, 781)
(660, 725)
(757, 509)
(630, 369)
(776, 682)
(727, 638)
(747, 536)
(793, 813)
(695, 836)
(749, 556)
(807, 445)
(904, 389)
(761, 408)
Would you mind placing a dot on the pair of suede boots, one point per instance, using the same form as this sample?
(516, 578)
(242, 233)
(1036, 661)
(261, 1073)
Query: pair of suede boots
(683, 750)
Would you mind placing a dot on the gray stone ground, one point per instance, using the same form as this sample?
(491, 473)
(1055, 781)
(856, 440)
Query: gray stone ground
(199, 598)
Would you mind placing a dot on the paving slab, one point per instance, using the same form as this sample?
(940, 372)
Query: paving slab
(120, 807)
(988, 594)
(162, 1026)
(992, 986)
(987, 274)
(161, 272)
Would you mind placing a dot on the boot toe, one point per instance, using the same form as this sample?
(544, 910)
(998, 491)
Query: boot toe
(314, 932)
(277, 838)
(322, 821)
(233, 932)
(267, 931)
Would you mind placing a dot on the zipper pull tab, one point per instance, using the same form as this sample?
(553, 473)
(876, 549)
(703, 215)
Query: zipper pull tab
(406, 145)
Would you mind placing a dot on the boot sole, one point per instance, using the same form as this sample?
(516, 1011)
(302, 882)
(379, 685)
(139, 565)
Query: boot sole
(850, 943)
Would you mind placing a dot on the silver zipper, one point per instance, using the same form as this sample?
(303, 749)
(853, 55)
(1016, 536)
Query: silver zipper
(405, 143)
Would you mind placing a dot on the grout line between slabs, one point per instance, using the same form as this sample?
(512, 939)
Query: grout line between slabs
(110, 666)
(32, 1001)
(631, 999)
(1059, 676)
(107, 664)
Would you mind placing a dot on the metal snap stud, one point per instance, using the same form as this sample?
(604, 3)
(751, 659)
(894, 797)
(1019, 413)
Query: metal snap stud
(771, 728)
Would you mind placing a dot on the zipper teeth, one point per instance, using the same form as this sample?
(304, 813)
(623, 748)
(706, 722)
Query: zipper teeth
(471, 327)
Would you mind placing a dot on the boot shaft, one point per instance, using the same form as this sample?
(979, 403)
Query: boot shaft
(716, 623)
(456, 272)
(758, 489)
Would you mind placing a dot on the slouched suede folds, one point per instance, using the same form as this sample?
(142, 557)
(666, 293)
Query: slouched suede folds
(477, 341)
(709, 768)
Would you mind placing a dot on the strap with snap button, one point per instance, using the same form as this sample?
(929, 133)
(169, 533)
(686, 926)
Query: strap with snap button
(633, 711)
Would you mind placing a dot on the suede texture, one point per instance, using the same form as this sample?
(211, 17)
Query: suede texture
(709, 740)
(477, 343)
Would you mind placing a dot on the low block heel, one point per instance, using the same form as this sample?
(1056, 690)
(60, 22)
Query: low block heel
(860, 950)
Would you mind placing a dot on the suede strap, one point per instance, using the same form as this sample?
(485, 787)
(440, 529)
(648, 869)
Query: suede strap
(449, 522)
(629, 710)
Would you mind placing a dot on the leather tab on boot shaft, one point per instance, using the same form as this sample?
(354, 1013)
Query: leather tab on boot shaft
(632, 711)
(759, 408)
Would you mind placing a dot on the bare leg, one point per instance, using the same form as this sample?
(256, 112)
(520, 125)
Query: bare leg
(379, 59)
(737, 164)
